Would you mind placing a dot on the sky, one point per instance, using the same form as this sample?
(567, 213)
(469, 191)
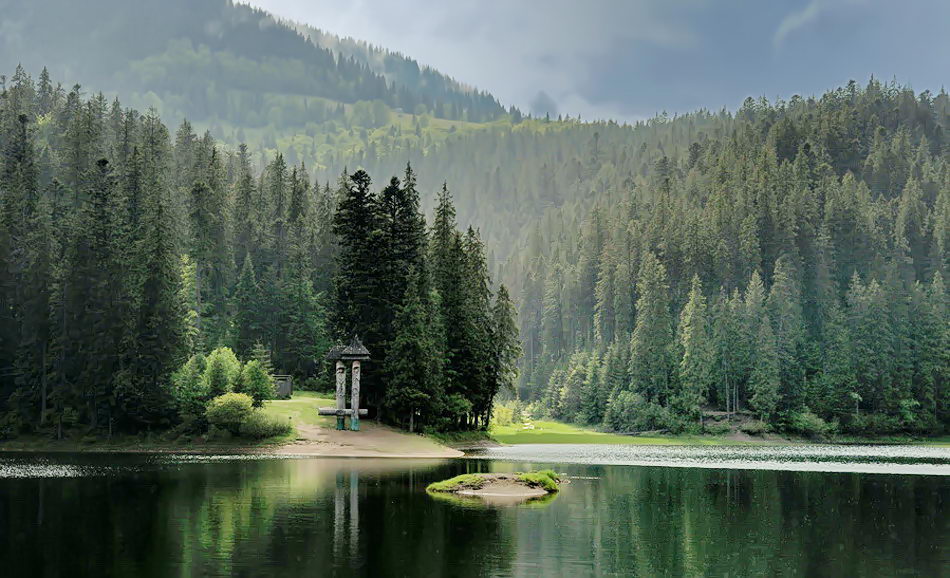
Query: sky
(633, 59)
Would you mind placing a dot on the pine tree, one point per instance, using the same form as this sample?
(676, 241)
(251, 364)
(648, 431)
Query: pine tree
(355, 225)
(505, 345)
(413, 387)
(245, 218)
(154, 349)
(695, 367)
(765, 380)
(143, 391)
(247, 317)
(474, 354)
(651, 361)
(304, 319)
(784, 305)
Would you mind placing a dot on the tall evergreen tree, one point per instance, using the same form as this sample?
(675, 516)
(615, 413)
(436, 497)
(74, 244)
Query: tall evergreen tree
(695, 367)
(651, 356)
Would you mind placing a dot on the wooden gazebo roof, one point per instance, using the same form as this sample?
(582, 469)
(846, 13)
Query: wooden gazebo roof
(355, 351)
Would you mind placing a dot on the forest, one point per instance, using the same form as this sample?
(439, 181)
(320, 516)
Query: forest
(787, 261)
(132, 260)
(827, 216)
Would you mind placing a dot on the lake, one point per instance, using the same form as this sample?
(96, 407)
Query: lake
(714, 514)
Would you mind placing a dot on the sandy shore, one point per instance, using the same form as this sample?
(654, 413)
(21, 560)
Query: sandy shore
(372, 441)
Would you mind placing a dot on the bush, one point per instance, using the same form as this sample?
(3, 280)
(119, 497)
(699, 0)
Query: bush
(502, 415)
(221, 373)
(718, 428)
(630, 412)
(873, 424)
(256, 382)
(810, 425)
(258, 426)
(216, 434)
(229, 411)
(754, 427)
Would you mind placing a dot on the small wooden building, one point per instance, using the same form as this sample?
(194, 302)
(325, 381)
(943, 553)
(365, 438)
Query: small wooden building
(285, 386)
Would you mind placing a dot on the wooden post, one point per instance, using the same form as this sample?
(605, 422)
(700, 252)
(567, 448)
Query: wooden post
(355, 398)
(340, 392)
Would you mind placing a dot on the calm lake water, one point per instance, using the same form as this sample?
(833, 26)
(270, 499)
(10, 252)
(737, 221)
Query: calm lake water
(100, 515)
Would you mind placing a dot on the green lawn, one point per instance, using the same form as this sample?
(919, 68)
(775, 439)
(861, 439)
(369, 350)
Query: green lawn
(551, 432)
(302, 409)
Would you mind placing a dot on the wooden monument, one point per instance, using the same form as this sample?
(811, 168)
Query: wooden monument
(353, 353)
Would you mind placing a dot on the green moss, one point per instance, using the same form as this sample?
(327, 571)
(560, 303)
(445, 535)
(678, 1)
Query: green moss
(547, 480)
(463, 482)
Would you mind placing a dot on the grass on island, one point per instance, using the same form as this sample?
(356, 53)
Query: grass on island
(545, 479)
(462, 482)
(552, 432)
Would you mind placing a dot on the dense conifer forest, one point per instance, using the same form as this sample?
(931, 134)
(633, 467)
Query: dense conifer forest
(643, 260)
(789, 261)
(139, 269)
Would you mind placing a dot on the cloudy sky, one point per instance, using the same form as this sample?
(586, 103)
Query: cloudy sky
(630, 59)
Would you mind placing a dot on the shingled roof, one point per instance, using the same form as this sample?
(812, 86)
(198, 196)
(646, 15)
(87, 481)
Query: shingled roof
(355, 351)
(335, 352)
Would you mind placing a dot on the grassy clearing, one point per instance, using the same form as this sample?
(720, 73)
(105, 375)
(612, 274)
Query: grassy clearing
(462, 482)
(552, 432)
(301, 409)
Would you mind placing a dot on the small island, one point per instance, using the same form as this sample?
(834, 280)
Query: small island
(508, 486)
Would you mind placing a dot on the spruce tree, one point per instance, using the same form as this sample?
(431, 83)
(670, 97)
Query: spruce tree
(696, 362)
(765, 379)
(247, 304)
(651, 360)
(505, 345)
(413, 388)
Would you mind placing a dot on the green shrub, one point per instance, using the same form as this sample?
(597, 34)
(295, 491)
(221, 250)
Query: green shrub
(754, 428)
(873, 424)
(810, 425)
(630, 412)
(256, 382)
(221, 373)
(216, 434)
(229, 411)
(259, 426)
(717, 428)
(502, 415)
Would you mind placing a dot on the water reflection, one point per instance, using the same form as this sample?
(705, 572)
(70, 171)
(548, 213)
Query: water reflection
(161, 516)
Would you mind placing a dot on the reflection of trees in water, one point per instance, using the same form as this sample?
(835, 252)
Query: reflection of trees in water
(688, 522)
(303, 517)
(342, 517)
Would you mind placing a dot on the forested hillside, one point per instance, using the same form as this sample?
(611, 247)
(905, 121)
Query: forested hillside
(144, 274)
(830, 211)
(788, 260)
(255, 71)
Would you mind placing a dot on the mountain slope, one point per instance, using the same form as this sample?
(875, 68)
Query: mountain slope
(212, 60)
